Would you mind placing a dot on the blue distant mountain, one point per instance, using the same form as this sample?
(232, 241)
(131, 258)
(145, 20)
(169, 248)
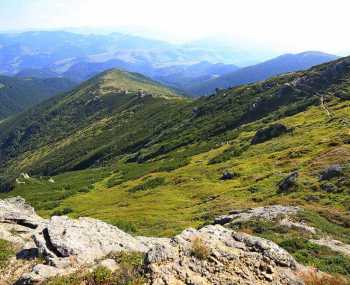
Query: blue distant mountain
(279, 65)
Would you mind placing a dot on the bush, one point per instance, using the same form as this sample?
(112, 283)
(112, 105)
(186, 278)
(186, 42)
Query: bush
(63, 212)
(124, 226)
(149, 184)
(314, 278)
(199, 249)
(84, 190)
(321, 257)
(101, 275)
(130, 272)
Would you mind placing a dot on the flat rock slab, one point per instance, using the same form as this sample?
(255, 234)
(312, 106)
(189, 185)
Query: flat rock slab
(266, 213)
(334, 245)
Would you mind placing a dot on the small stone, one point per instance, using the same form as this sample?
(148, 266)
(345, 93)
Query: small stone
(110, 264)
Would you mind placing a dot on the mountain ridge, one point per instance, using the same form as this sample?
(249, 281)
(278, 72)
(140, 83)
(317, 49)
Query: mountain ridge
(279, 65)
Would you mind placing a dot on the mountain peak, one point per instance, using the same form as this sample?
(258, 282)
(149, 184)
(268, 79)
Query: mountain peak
(114, 80)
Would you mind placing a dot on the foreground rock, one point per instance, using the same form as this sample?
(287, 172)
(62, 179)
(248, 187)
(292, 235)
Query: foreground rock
(211, 255)
(85, 239)
(17, 211)
(216, 255)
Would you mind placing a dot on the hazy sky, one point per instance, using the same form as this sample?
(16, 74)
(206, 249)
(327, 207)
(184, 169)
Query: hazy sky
(293, 25)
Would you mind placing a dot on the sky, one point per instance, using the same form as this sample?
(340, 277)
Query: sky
(290, 25)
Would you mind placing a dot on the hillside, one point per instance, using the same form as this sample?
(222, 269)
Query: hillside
(18, 94)
(155, 165)
(282, 64)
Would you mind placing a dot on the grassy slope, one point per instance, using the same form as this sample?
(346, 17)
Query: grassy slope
(193, 194)
(71, 130)
(18, 94)
(167, 176)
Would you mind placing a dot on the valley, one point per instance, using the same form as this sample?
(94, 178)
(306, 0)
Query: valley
(121, 163)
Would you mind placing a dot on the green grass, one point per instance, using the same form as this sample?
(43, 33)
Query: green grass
(297, 243)
(317, 256)
(130, 271)
(193, 194)
(6, 251)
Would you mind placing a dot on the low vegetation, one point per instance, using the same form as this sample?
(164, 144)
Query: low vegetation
(153, 165)
(315, 278)
(130, 272)
(6, 251)
(199, 249)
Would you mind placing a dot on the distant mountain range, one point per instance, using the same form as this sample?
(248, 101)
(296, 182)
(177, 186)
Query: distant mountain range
(18, 94)
(282, 64)
(195, 68)
(58, 51)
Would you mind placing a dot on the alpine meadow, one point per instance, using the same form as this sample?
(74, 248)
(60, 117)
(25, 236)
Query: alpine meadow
(129, 159)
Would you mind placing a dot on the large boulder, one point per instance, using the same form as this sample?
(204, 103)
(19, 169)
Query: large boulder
(17, 211)
(83, 241)
(18, 222)
(231, 258)
(269, 133)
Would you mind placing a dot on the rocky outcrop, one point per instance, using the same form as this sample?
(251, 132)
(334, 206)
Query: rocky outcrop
(282, 215)
(233, 258)
(211, 255)
(267, 213)
(335, 245)
(17, 211)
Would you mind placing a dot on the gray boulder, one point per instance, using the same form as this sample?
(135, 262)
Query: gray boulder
(331, 172)
(82, 241)
(233, 258)
(17, 211)
(288, 183)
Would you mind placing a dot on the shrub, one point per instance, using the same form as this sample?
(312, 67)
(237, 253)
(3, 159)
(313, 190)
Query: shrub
(130, 268)
(314, 278)
(149, 184)
(101, 275)
(199, 249)
(64, 211)
(321, 257)
(130, 272)
(84, 190)
(125, 226)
